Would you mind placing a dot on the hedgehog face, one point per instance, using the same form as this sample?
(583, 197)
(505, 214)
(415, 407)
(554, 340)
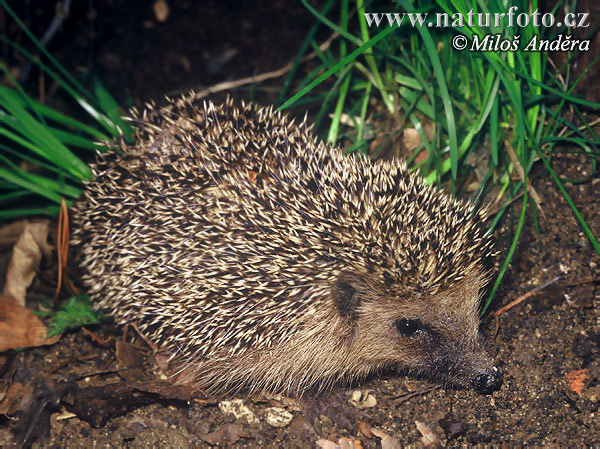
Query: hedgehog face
(434, 336)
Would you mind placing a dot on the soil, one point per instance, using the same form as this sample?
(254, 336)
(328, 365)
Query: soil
(540, 343)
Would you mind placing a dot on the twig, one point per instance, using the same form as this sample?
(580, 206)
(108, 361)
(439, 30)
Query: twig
(62, 12)
(587, 280)
(154, 347)
(522, 298)
(226, 85)
(418, 392)
(515, 160)
(62, 243)
(502, 206)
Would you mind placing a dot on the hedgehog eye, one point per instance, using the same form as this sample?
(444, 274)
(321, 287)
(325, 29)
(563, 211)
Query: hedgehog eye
(409, 327)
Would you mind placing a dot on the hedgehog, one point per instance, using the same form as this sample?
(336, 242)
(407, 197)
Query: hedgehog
(260, 258)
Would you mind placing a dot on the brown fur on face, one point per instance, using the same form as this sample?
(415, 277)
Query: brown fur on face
(446, 345)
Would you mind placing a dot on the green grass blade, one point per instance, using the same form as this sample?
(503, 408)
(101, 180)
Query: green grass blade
(36, 162)
(31, 186)
(12, 214)
(509, 256)
(351, 57)
(47, 144)
(51, 114)
(441, 80)
(41, 48)
(111, 108)
(582, 222)
(88, 105)
(6, 197)
(303, 48)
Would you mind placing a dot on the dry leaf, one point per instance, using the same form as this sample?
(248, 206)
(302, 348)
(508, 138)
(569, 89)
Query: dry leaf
(19, 328)
(226, 435)
(387, 442)
(17, 398)
(365, 429)
(237, 408)
(412, 140)
(430, 437)
(343, 443)
(326, 444)
(577, 380)
(128, 355)
(362, 399)
(26, 257)
(300, 426)
(64, 415)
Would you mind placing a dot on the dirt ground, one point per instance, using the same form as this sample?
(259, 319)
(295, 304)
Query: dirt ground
(541, 344)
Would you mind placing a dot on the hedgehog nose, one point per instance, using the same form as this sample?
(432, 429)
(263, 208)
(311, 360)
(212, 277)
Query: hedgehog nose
(488, 382)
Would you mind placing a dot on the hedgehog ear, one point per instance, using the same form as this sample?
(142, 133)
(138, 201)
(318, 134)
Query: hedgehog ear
(346, 295)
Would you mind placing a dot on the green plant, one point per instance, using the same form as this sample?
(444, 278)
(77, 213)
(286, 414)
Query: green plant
(506, 105)
(41, 148)
(75, 312)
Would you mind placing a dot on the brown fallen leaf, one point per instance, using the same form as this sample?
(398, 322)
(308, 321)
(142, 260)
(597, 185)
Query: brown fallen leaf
(356, 444)
(19, 328)
(301, 426)
(327, 444)
(25, 260)
(412, 140)
(430, 438)
(387, 442)
(128, 355)
(226, 435)
(365, 429)
(577, 379)
(343, 443)
(17, 397)
(7, 438)
(97, 404)
(133, 369)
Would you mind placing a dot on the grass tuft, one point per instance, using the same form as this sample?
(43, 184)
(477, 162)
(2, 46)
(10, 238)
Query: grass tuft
(465, 106)
(42, 151)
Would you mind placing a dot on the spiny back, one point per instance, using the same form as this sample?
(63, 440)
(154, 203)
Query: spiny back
(222, 226)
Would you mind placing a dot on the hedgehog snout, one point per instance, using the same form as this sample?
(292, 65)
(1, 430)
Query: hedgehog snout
(488, 381)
